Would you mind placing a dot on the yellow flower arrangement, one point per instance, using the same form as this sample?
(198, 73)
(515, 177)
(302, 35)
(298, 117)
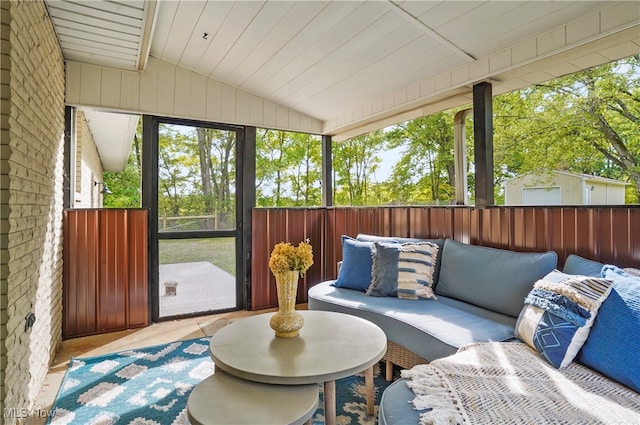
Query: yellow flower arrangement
(286, 257)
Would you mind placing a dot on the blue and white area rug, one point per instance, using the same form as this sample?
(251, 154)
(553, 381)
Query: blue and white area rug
(150, 386)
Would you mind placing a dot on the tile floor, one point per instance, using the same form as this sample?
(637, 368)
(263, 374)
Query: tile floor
(157, 333)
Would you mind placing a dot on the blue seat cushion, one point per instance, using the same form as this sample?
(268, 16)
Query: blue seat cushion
(430, 328)
(395, 405)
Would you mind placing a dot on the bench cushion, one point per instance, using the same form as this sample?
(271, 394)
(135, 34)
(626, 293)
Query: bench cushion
(430, 328)
(395, 405)
(495, 279)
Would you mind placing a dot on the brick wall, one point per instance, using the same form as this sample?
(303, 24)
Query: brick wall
(88, 167)
(31, 192)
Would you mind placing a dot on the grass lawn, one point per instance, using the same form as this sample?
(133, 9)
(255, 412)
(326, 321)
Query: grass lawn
(220, 252)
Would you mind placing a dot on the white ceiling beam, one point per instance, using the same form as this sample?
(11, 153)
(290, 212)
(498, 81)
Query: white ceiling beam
(428, 31)
(148, 26)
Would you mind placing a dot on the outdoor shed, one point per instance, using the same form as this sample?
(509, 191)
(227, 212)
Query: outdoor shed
(563, 188)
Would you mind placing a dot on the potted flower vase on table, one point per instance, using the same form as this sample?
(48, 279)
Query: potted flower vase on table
(288, 263)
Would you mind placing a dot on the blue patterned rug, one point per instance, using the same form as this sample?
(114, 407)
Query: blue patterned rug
(150, 386)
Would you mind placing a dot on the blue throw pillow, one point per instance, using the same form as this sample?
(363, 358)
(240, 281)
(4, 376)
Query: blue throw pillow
(403, 270)
(355, 271)
(558, 314)
(613, 347)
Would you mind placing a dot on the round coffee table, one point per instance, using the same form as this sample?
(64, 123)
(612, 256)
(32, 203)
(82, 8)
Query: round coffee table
(330, 346)
(224, 399)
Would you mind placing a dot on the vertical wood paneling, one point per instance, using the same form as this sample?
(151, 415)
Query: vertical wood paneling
(198, 106)
(166, 88)
(105, 282)
(259, 259)
(110, 88)
(80, 274)
(182, 90)
(272, 226)
(130, 91)
(138, 310)
(605, 234)
(90, 80)
(112, 271)
(148, 97)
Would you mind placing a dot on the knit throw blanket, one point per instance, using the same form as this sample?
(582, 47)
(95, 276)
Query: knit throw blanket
(509, 383)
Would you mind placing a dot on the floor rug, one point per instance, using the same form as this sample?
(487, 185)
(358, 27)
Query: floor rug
(150, 386)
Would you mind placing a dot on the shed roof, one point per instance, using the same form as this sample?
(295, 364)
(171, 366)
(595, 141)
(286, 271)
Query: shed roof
(586, 177)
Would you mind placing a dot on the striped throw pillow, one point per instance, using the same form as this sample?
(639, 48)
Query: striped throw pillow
(403, 270)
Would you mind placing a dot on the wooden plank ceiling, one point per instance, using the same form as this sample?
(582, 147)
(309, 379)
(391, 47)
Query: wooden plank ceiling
(341, 61)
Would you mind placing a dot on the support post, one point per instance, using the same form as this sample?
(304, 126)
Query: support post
(460, 156)
(483, 143)
(248, 176)
(327, 171)
(150, 203)
(69, 157)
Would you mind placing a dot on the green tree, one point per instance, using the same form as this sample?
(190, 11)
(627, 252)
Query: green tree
(288, 169)
(588, 122)
(176, 174)
(355, 161)
(125, 185)
(216, 153)
(425, 172)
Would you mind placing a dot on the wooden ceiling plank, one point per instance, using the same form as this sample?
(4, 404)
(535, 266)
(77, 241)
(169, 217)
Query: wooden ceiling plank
(87, 10)
(246, 52)
(78, 30)
(292, 22)
(520, 23)
(336, 44)
(182, 27)
(210, 21)
(391, 74)
(93, 50)
(95, 22)
(363, 63)
(354, 54)
(138, 4)
(100, 60)
(235, 23)
(91, 45)
(105, 41)
(422, 26)
(125, 8)
(305, 41)
(163, 24)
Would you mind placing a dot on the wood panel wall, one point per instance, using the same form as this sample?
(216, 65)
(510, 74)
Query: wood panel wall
(605, 234)
(167, 90)
(105, 285)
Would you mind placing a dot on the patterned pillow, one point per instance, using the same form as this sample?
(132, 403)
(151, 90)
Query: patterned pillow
(403, 270)
(558, 314)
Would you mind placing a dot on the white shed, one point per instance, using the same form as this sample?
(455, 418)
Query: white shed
(548, 187)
